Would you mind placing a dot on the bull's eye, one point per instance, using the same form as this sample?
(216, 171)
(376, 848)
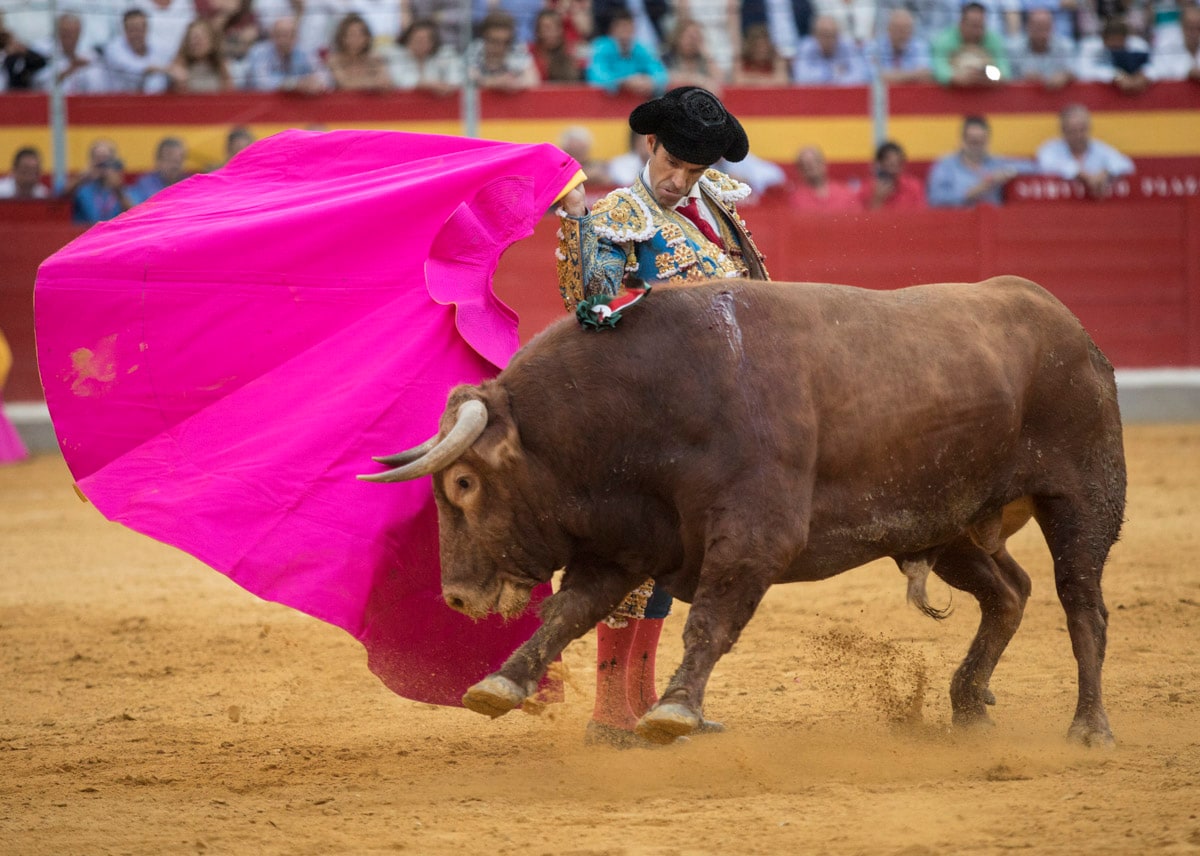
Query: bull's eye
(463, 483)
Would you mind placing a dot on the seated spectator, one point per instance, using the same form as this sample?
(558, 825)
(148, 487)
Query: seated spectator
(77, 66)
(720, 24)
(1115, 57)
(687, 59)
(1076, 155)
(237, 139)
(890, 187)
(199, 65)
(650, 20)
(578, 25)
(620, 64)
(899, 54)
(1041, 54)
(827, 57)
(169, 159)
(1179, 59)
(25, 182)
(815, 191)
(577, 141)
(973, 174)
(237, 27)
(99, 193)
(353, 63)
(855, 18)
(497, 60)
(554, 58)
(19, 63)
(420, 62)
(969, 54)
(452, 21)
(278, 64)
(522, 13)
(624, 169)
(129, 63)
(1064, 18)
(786, 23)
(167, 24)
(760, 64)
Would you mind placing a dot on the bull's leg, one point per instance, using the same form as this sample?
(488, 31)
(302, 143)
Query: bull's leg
(725, 600)
(589, 592)
(1079, 543)
(1002, 588)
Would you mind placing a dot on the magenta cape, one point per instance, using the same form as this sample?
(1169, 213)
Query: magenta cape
(221, 361)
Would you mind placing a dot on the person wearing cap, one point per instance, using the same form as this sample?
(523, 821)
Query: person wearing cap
(678, 223)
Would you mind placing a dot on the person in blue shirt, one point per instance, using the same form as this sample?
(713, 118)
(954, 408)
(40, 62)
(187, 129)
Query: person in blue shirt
(99, 193)
(972, 174)
(169, 160)
(621, 64)
(827, 57)
(899, 54)
(1077, 155)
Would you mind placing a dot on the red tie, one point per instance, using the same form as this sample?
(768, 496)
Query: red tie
(690, 210)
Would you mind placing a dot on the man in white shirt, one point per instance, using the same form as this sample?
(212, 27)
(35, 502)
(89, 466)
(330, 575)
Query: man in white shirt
(1179, 58)
(1076, 155)
(77, 66)
(26, 179)
(167, 22)
(131, 65)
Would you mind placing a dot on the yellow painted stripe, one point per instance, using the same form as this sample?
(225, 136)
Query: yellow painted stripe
(844, 139)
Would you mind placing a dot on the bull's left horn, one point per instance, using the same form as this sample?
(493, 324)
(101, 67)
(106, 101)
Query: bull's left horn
(408, 455)
(471, 420)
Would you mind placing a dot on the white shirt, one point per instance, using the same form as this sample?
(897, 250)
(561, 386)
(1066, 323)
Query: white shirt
(165, 26)
(1171, 60)
(8, 189)
(1054, 158)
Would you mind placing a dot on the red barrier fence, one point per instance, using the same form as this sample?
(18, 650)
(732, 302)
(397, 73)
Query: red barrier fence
(1129, 268)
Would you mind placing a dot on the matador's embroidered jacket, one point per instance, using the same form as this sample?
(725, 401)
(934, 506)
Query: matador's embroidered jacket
(628, 235)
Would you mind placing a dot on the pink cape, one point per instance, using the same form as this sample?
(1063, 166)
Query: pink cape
(221, 361)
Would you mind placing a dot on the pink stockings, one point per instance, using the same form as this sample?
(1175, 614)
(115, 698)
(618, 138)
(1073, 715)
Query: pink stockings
(625, 671)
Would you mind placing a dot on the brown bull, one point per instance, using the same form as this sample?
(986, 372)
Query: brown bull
(733, 435)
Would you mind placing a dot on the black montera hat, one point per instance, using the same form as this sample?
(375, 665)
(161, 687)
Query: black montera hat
(693, 125)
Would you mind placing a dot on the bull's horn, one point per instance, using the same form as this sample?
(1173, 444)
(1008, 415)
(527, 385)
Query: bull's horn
(469, 424)
(407, 455)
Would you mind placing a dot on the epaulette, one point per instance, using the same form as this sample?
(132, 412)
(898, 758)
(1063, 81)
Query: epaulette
(723, 187)
(622, 218)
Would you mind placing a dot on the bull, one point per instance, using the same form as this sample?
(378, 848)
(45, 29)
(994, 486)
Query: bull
(728, 436)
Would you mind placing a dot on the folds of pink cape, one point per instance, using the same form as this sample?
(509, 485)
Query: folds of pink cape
(221, 361)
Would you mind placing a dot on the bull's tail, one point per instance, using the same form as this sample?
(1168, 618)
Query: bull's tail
(917, 569)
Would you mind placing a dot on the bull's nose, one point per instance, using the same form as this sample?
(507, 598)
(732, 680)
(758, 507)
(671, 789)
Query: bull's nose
(455, 602)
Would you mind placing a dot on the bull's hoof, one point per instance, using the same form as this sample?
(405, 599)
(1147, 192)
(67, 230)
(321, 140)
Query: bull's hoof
(989, 697)
(974, 720)
(1092, 736)
(666, 722)
(494, 696)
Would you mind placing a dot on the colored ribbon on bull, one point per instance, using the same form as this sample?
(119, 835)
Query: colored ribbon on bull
(603, 311)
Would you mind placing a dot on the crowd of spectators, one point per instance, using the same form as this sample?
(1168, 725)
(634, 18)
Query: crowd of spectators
(644, 46)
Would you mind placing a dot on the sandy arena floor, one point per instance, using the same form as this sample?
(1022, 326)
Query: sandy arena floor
(150, 706)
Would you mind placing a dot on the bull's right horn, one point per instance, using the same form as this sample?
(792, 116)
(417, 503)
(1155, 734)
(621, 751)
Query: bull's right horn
(433, 455)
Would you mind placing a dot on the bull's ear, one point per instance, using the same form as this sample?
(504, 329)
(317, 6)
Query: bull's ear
(500, 443)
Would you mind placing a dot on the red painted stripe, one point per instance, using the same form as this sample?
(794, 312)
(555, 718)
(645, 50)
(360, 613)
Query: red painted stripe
(566, 102)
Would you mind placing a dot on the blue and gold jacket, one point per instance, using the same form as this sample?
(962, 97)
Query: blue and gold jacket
(628, 236)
